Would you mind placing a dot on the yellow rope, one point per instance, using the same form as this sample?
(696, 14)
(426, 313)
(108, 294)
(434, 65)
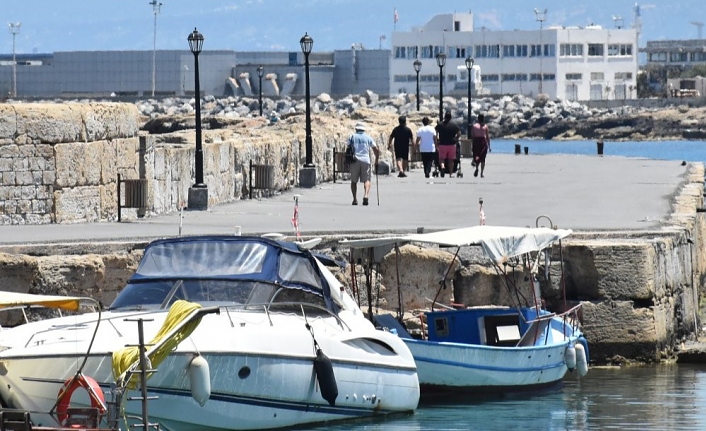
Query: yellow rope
(124, 358)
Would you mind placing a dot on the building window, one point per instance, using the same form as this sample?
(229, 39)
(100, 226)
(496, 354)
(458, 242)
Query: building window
(657, 56)
(549, 50)
(573, 77)
(508, 50)
(535, 50)
(490, 78)
(595, 50)
(400, 52)
(621, 49)
(457, 52)
(521, 50)
(625, 76)
(457, 25)
(597, 76)
(677, 57)
(412, 52)
(571, 50)
(534, 76)
(697, 56)
(549, 77)
(514, 77)
(427, 51)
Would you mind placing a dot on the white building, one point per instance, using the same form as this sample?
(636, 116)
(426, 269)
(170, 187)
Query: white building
(574, 63)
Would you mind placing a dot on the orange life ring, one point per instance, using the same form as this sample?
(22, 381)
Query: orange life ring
(95, 393)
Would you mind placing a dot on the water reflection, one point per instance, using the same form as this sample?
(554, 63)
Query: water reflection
(647, 398)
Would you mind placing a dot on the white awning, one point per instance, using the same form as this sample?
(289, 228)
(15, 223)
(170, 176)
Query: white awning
(498, 242)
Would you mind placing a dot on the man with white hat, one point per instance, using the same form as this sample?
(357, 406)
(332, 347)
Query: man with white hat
(362, 143)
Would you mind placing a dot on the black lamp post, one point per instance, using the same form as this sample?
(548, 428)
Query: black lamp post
(260, 72)
(417, 68)
(196, 199)
(469, 67)
(441, 61)
(307, 43)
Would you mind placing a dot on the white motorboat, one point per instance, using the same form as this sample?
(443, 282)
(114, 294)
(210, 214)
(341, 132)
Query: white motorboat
(492, 348)
(289, 345)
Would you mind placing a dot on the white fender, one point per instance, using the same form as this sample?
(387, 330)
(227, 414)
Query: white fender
(581, 364)
(570, 357)
(200, 379)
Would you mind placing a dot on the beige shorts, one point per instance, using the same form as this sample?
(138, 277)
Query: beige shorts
(360, 171)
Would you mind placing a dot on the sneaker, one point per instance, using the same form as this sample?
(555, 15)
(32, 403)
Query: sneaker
(355, 202)
(475, 174)
(442, 173)
(400, 174)
(365, 201)
(426, 175)
(403, 175)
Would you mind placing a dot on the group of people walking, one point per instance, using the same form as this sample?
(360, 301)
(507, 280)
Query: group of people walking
(437, 145)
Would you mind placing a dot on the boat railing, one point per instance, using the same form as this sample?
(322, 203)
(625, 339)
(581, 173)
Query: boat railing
(299, 307)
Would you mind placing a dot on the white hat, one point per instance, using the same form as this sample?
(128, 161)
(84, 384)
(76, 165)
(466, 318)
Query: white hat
(359, 126)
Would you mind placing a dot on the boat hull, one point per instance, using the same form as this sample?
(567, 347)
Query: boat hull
(254, 385)
(453, 366)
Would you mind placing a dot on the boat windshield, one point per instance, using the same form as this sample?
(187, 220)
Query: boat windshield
(161, 294)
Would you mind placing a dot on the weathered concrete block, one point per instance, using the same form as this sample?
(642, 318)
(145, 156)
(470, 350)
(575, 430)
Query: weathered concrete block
(616, 329)
(476, 285)
(108, 121)
(52, 123)
(77, 204)
(424, 268)
(8, 122)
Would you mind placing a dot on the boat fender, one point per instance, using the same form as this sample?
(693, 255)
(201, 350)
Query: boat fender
(581, 363)
(95, 394)
(570, 357)
(200, 379)
(324, 375)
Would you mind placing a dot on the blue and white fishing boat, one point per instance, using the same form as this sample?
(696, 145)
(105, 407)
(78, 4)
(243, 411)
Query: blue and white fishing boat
(491, 348)
(287, 347)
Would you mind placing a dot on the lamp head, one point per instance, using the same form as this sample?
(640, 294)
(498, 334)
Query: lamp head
(195, 41)
(260, 71)
(469, 63)
(441, 59)
(306, 43)
(417, 65)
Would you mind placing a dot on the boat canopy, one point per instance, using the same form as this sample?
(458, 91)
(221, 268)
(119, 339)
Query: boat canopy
(232, 258)
(499, 243)
(16, 299)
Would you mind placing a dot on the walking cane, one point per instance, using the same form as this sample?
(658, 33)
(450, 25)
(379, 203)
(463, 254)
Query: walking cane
(377, 183)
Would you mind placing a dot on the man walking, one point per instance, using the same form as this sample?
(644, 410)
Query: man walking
(403, 138)
(426, 145)
(360, 170)
(448, 132)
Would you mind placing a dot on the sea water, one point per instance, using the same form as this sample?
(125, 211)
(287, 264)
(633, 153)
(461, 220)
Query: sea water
(656, 397)
(690, 151)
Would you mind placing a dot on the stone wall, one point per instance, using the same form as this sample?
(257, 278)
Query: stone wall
(59, 162)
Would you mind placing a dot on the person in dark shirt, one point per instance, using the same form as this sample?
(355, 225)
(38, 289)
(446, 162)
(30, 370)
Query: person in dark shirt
(448, 133)
(403, 138)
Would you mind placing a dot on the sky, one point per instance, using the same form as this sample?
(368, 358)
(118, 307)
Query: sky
(277, 25)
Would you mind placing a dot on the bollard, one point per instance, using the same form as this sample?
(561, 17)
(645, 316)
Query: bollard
(526, 150)
(599, 147)
(517, 148)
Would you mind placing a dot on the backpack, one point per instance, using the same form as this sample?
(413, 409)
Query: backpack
(350, 152)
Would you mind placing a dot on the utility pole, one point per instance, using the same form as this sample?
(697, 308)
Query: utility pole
(541, 16)
(14, 29)
(156, 8)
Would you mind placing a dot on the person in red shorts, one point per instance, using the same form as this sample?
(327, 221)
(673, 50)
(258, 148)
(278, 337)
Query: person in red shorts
(481, 144)
(448, 133)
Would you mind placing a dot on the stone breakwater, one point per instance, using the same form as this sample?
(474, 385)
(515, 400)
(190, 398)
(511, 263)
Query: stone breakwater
(507, 116)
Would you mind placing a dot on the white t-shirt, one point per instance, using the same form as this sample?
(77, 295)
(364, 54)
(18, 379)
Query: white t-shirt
(426, 135)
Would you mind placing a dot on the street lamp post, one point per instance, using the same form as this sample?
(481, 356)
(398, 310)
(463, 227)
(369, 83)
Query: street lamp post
(156, 7)
(541, 16)
(441, 61)
(198, 194)
(307, 175)
(260, 72)
(469, 67)
(417, 68)
(14, 29)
